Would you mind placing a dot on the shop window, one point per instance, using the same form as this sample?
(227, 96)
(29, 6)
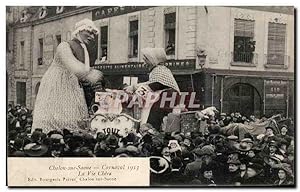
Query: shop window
(103, 43)
(276, 44)
(170, 33)
(130, 81)
(244, 45)
(133, 38)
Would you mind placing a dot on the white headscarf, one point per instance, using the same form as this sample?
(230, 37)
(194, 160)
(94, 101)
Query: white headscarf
(155, 55)
(84, 24)
(88, 25)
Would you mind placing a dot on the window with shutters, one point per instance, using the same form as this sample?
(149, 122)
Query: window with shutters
(21, 93)
(170, 33)
(103, 43)
(276, 44)
(133, 38)
(244, 45)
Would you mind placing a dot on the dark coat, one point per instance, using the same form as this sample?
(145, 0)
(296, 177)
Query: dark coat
(192, 170)
(207, 182)
(232, 178)
(176, 178)
(220, 168)
(257, 180)
(286, 182)
(270, 174)
(78, 52)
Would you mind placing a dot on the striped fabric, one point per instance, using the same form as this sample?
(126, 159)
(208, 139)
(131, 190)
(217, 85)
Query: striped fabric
(243, 28)
(276, 38)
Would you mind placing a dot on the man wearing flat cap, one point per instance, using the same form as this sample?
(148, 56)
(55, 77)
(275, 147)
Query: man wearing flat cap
(202, 155)
(233, 175)
(175, 177)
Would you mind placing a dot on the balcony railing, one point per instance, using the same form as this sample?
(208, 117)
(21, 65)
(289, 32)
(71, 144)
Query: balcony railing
(277, 60)
(244, 57)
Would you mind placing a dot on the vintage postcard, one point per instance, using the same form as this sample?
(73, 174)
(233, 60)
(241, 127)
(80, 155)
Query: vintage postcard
(144, 96)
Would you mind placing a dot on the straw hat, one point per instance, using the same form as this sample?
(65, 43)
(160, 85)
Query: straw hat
(35, 150)
(243, 146)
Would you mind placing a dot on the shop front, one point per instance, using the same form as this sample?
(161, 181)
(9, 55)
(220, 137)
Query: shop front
(250, 93)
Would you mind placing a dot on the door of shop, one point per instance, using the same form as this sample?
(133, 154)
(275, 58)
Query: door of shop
(242, 98)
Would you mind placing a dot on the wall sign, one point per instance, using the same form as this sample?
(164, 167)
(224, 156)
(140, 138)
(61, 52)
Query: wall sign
(110, 11)
(275, 89)
(275, 96)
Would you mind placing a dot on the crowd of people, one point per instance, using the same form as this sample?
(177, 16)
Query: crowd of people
(208, 158)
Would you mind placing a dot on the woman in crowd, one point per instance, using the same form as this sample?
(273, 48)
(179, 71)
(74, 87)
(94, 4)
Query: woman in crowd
(284, 175)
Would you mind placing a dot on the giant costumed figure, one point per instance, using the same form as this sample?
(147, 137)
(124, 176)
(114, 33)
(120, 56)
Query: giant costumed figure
(61, 102)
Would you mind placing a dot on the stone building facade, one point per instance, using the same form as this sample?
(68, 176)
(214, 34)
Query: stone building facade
(235, 58)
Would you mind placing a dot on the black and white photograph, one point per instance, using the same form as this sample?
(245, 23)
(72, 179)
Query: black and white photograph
(187, 96)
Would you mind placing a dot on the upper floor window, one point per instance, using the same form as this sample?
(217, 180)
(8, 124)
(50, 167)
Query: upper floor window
(37, 87)
(22, 53)
(56, 43)
(58, 39)
(41, 51)
(103, 43)
(133, 38)
(276, 44)
(170, 33)
(244, 45)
